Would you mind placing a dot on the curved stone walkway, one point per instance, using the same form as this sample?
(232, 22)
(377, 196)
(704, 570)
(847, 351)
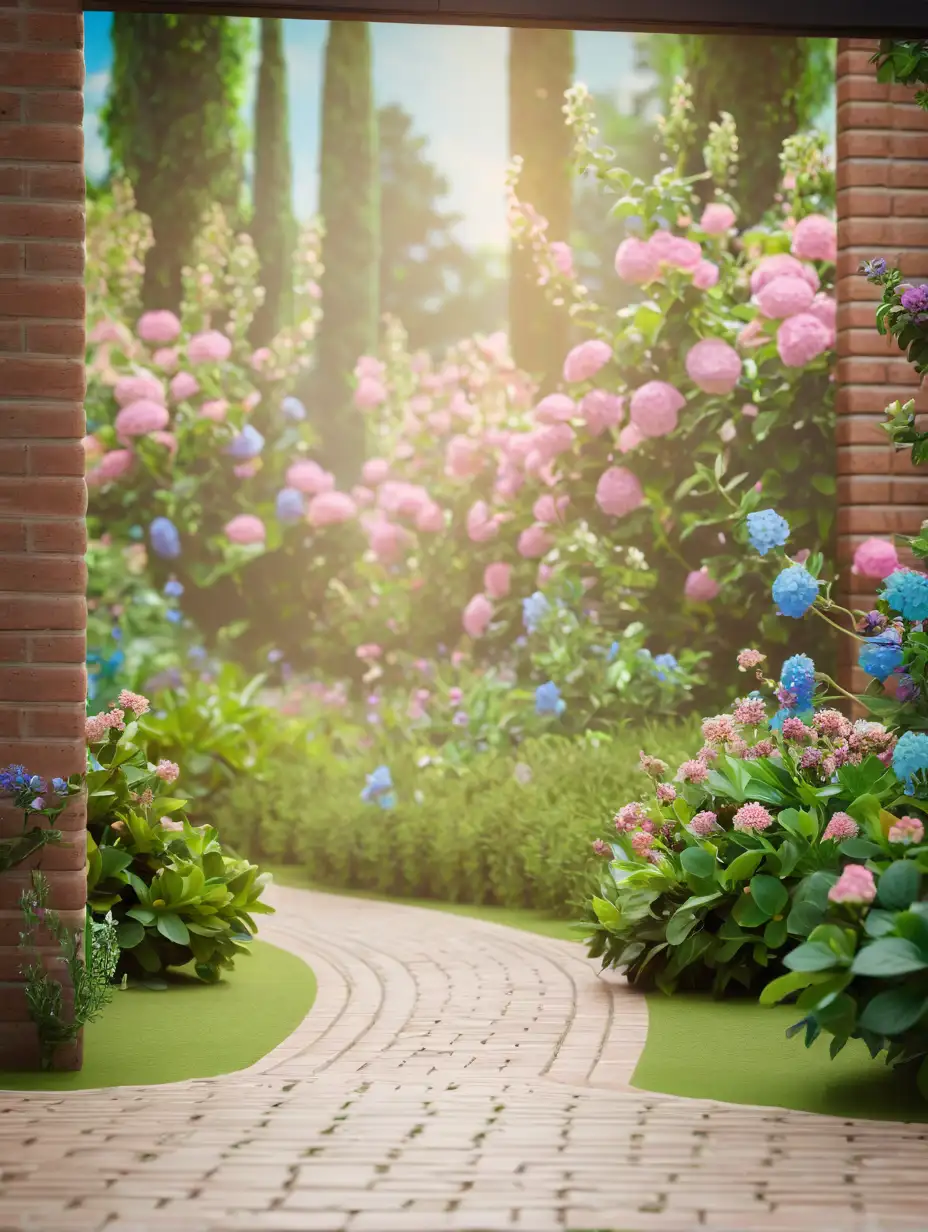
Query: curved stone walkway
(453, 1074)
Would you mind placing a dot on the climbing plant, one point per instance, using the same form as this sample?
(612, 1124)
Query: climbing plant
(904, 61)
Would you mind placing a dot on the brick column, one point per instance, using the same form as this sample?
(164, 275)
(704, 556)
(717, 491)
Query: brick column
(42, 494)
(882, 211)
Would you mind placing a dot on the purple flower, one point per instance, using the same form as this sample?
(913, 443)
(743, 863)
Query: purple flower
(60, 787)
(907, 690)
(461, 718)
(37, 804)
(915, 300)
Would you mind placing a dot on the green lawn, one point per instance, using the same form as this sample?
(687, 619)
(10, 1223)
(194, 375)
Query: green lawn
(189, 1030)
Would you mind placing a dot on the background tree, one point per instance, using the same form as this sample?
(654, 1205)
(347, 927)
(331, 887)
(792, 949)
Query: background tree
(541, 68)
(272, 229)
(172, 125)
(440, 290)
(349, 202)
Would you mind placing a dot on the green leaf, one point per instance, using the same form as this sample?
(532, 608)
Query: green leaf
(811, 956)
(775, 934)
(679, 926)
(747, 913)
(174, 928)
(742, 867)
(769, 893)
(859, 848)
(889, 956)
(129, 933)
(698, 862)
(898, 887)
(786, 985)
(607, 913)
(894, 1011)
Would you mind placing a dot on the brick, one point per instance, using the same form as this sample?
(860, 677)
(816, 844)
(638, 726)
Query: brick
(12, 181)
(47, 757)
(44, 258)
(863, 203)
(13, 536)
(53, 647)
(43, 142)
(43, 684)
(11, 337)
(62, 183)
(9, 27)
(55, 458)
(27, 419)
(64, 107)
(14, 647)
(57, 722)
(11, 107)
(26, 612)
(66, 536)
(58, 497)
(12, 258)
(42, 220)
(54, 29)
(27, 378)
(46, 574)
(37, 297)
(46, 69)
(876, 520)
(68, 340)
(13, 458)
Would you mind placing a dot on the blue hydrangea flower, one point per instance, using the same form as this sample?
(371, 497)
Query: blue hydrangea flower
(60, 787)
(906, 592)
(548, 699)
(665, 665)
(174, 589)
(534, 609)
(880, 656)
(910, 757)
(13, 779)
(293, 409)
(612, 653)
(174, 616)
(165, 541)
(247, 445)
(380, 783)
(798, 679)
(387, 800)
(766, 530)
(794, 591)
(290, 505)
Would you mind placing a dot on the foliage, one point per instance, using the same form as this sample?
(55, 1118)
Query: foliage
(904, 61)
(89, 957)
(35, 798)
(902, 314)
(172, 126)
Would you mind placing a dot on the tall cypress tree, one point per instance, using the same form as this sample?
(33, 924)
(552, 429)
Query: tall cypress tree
(541, 68)
(172, 126)
(272, 228)
(349, 202)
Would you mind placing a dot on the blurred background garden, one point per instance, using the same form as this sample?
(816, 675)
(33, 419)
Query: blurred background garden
(431, 374)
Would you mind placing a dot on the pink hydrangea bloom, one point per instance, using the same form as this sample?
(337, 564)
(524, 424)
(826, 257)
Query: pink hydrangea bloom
(110, 331)
(497, 579)
(135, 702)
(717, 218)
(630, 438)
(371, 392)
(618, 492)
(216, 410)
(586, 359)
(368, 652)
(682, 253)
(534, 542)
(784, 296)
(705, 275)
(907, 830)
(167, 771)
(93, 447)
(876, 558)
(369, 365)
(555, 408)
(329, 508)
(375, 471)
(749, 410)
(666, 793)
(802, 338)
(779, 265)
(795, 729)
(719, 729)
(750, 658)
(144, 386)
(463, 457)
(654, 407)
(700, 586)
(752, 335)
(245, 529)
(601, 410)
(630, 817)
(750, 711)
(833, 724)
(704, 824)
(815, 239)
(477, 616)
(642, 842)
(430, 519)
(308, 476)
(140, 418)
(112, 466)
(440, 422)
(166, 358)
(183, 386)
(855, 885)
(714, 366)
(209, 347)
(693, 771)
(167, 439)
(362, 496)
(549, 509)
(563, 258)
(387, 541)
(840, 827)
(752, 817)
(481, 526)
(159, 327)
(825, 309)
(636, 262)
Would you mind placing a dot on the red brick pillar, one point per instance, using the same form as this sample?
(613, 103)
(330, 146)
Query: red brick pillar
(42, 494)
(882, 212)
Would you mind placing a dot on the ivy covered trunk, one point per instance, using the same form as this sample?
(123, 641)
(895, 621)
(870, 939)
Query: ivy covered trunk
(541, 68)
(272, 228)
(172, 124)
(349, 200)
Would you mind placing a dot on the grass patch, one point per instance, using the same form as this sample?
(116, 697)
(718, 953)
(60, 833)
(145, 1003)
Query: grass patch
(737, 1051)
(514, 917)
(190, 1030)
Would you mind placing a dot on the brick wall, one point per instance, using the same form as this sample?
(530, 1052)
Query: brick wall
(882, 211)
(42, 494)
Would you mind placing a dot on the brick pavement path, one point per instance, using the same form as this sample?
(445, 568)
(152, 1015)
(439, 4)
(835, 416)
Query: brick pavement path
(453, 1074)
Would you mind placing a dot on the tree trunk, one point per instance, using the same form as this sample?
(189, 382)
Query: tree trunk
(541, 68)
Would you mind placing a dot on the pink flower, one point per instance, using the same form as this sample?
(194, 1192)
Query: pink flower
(481, 527)
(636, 262)
(839, 828)
(585, 360)
(247, 470)
(563, 258)
(455, 696)
(784, 296)
(654, 407)
(749, 410)
(308, 476)
(135, 702)
(601, 410)
(368, 652)
(705, 275)
(642, 842)
(534, 542)
(361, 495)
(375, 471)
(245, 529)
(752, 817)
(717, 218)
(158, 327)
(714, 366)
(112, 466)
(169, 823)
(140, 418)
(815, 239)
(618, 492)
(260, 358)
(547, 509)
(855, 885)
(209, 347)
(704, 824)
(463, 457)
(666, 793)
(330, 508)
(802, 338)
(93, 448)
(430, 519)
(167, 771)
(167, 439)
(832, 723)
(795, 729)
(184, 386)
(825, 309)
(370, 392)
(368, 365)
(781, 264)
(630, 438)
(440, 422)
(166, 358)
(215, 410)
(477, 616)
(251, 401)
(142, 387)
(387, 541)
(750, 658)
(555, 408)
(907, 830)
(751, 711)
(110, 331)
(876, 558)
(693, 771)
(497, 579)
(719, 730)
(753, 334)
(684, 254)
(700, 587)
